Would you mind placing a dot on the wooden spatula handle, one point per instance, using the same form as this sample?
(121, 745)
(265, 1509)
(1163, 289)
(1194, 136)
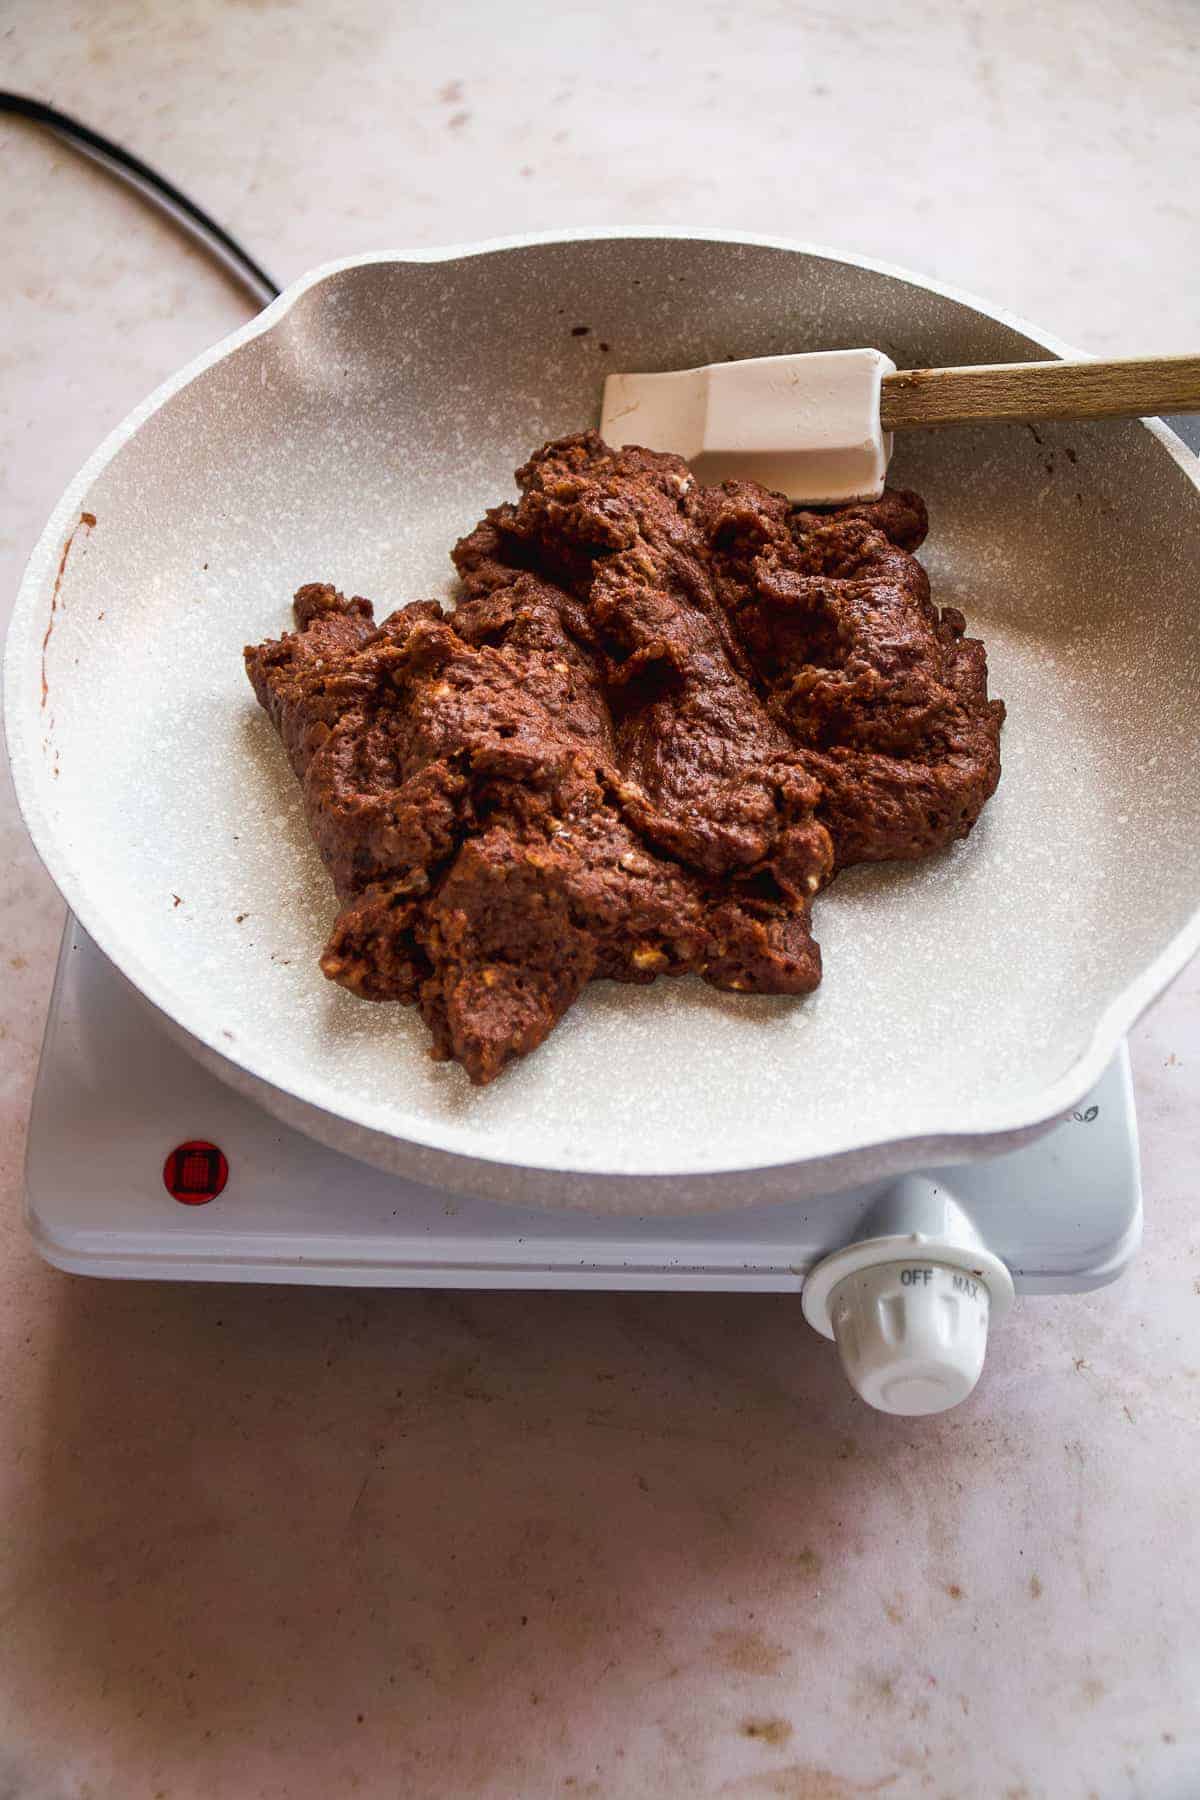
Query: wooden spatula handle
(1133, 388)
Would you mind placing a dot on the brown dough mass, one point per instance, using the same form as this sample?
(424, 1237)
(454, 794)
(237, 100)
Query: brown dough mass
(660, 718)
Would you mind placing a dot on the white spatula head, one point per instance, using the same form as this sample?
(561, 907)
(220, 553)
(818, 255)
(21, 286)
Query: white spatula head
(806, 426)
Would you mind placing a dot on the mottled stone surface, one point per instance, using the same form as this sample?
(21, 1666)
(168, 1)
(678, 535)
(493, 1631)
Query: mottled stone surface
(293, 1543)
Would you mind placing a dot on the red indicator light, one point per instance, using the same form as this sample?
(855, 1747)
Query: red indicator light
(195, 1172)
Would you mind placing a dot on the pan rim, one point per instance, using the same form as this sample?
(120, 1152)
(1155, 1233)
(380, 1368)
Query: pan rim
(990, 1120)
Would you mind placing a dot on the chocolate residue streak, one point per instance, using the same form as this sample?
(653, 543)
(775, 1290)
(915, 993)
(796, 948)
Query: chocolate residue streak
(749, 1652)
(87, 522)
(813, 1781)
(775, 1732)
(876, 1689)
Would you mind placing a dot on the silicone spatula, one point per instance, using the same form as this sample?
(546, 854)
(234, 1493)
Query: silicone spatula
(818, 427)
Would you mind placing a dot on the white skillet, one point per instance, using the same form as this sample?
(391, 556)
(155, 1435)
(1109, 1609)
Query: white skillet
(350, 433)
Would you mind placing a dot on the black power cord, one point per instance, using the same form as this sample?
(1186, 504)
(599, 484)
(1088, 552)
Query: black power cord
(151, 186)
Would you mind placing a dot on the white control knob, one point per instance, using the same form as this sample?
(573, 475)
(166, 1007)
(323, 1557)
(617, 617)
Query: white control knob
(911, 1335)
(909, 1300)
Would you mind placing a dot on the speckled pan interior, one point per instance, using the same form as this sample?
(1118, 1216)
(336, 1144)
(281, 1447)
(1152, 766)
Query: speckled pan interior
(350, 435)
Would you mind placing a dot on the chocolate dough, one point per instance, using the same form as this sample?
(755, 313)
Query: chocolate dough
(658, 721)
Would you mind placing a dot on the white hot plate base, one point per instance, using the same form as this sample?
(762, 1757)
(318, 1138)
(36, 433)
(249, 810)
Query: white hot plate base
(114, 1097)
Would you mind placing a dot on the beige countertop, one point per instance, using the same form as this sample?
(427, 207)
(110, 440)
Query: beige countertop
(292, 1543)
